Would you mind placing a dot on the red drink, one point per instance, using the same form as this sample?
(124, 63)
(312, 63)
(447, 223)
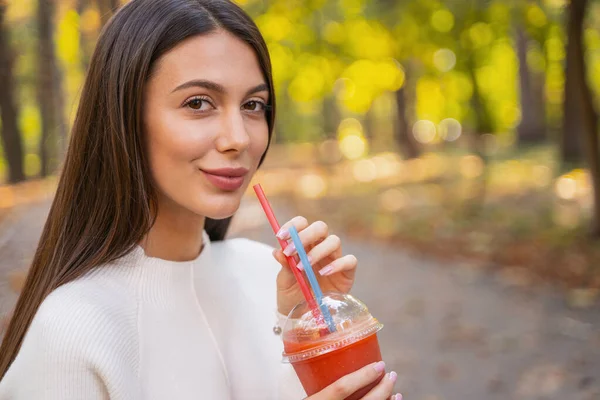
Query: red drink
(321, 357)
(317, 373)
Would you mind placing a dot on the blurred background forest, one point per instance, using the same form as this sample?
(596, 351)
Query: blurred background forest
(462, 129)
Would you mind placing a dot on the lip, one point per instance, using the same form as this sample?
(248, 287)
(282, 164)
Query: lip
(226, 179)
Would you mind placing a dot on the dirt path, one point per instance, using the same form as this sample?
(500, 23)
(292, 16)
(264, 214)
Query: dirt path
(451, 331)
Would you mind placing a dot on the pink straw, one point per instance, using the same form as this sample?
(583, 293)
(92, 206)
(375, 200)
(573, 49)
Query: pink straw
(291, 261)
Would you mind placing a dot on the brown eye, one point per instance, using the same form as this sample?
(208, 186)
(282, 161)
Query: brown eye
(199, 104)
(254, 106)
(195, 104)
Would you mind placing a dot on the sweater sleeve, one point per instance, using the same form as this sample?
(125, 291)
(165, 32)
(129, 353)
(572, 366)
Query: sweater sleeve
(81, 344)
(50, 365)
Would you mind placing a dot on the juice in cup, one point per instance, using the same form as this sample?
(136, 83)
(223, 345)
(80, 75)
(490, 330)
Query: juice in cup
(319, 358)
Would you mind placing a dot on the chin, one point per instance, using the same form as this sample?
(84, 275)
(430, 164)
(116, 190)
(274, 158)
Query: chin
(219, 208)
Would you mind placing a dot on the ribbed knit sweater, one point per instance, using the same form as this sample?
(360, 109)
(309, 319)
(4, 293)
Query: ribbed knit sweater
(147, 328)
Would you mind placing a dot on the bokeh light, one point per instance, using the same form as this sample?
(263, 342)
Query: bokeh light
(312, 186)
(352, 142)
(334, 32)
(565, 187)
(444, 59)
(424, 131)
(384, 167)
(450, 129)
(353, 147)
(471, 166)
(392, 200)
(442, 20)
(364, 171)
(536, 16)
(481, 34)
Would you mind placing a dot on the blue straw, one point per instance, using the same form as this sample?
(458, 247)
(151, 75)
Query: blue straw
(312, 278)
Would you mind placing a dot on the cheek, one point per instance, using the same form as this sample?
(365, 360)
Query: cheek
(259, 142)
(173, 140)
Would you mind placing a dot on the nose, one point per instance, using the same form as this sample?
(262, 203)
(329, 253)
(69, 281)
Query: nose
(233, 136)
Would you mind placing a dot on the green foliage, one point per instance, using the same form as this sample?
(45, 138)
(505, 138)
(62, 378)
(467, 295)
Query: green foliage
(457, 59)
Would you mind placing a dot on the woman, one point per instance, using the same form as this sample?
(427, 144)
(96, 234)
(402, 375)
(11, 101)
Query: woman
(127, 298)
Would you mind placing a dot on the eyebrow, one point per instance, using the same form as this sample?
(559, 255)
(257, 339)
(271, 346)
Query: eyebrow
(215, 87)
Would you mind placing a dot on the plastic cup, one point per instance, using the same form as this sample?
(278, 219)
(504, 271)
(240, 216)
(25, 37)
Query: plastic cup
(320, 359)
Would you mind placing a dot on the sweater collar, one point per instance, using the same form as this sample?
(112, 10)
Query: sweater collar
(164, 281)
(138, 256)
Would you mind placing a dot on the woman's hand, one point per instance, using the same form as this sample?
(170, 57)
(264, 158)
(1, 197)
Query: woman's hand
(334, 271)
(350, 383)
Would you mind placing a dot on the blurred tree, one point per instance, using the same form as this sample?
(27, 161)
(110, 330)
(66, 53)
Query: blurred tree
(50, 93)
(579, 121)
(9, 130)
(578, 110)
(392, 14)
(406, 141)
(85, 46)
(476, 38)
(331, 117)
(533, 23)
(580, 118)
(532, 128)
(471, 50)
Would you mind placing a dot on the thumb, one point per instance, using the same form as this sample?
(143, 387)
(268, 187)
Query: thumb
(285, 277)
(281, 258)
(349, 384)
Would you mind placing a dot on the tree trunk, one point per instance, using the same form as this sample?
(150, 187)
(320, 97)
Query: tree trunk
(532, 129)
(483, 120)
(50, 95)
(483, 124)
(107, 9)
(11, 137)
(369, 122)
(576, 111)
(84, 40)
(580, 117)
(331, 117)
(402, 132)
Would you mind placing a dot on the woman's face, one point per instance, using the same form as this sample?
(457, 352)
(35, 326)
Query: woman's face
(205, 121)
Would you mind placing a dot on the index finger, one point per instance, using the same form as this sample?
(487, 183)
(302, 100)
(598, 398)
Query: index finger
(298, 222)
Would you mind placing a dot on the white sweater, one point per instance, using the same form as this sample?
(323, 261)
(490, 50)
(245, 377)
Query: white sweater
(146, 328)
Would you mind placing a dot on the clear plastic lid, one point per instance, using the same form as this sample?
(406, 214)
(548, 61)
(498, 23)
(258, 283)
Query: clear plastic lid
(305, 336)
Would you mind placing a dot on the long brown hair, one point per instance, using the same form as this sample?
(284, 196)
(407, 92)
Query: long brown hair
(105, 201)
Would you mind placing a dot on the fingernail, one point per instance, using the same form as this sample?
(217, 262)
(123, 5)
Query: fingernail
(290, 249)
(398, 396)
(326, 271)
(379, 367)
(393, 376)
(301, 266)
(283, 234)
